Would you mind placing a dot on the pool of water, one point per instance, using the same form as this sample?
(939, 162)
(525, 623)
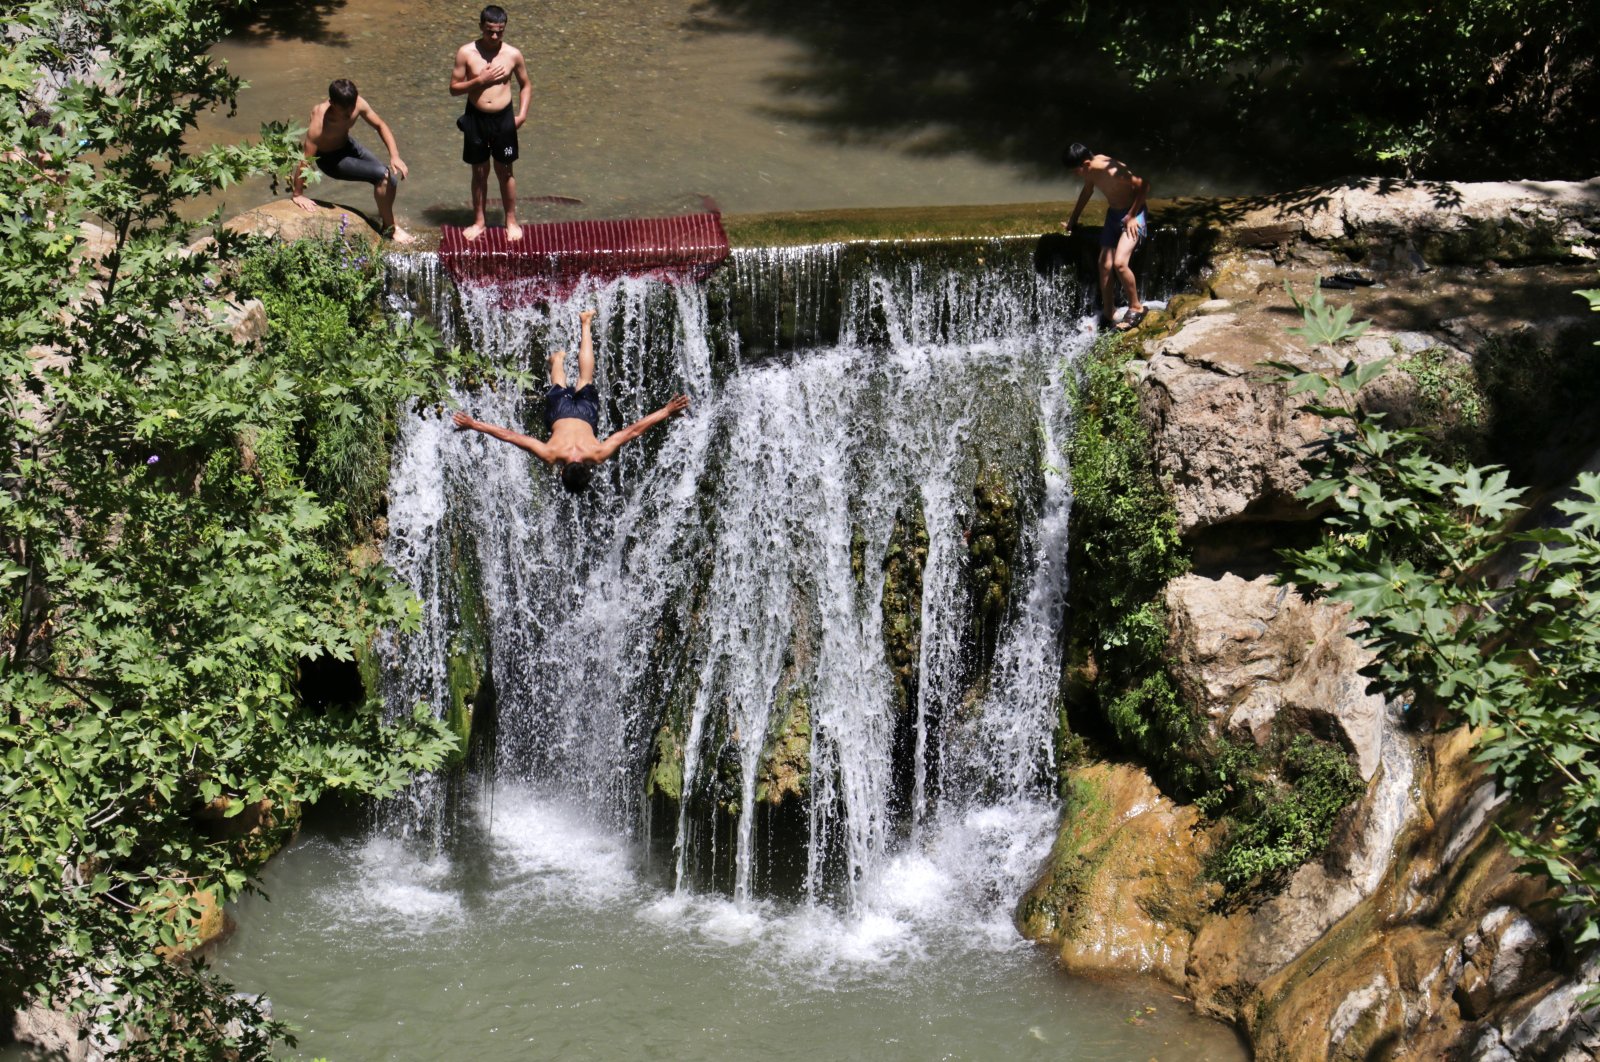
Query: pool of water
(641, 107)
(545, 935)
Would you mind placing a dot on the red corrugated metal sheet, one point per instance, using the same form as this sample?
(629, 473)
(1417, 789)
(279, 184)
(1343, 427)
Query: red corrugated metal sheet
(550, 258)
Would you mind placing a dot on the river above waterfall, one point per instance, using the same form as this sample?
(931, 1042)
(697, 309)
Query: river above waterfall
(544, 935)
(640, 107)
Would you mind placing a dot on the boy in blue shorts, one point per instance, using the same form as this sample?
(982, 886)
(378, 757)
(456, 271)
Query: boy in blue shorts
(1125, 225)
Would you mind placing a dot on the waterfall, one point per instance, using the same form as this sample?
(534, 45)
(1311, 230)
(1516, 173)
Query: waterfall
(709, 624)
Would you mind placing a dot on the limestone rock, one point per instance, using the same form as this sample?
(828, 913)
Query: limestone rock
(1123, 888)
(1507, 221)
(1228, 446)
(1248, 652)
(280, 218)
(246, 321)
(1237, 951)
(53, 1033)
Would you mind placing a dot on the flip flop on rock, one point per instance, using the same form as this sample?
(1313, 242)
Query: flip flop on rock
(1130, 321)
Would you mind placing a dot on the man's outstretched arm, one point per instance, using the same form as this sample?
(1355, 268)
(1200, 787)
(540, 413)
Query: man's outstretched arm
(615, 440)
(515, 438)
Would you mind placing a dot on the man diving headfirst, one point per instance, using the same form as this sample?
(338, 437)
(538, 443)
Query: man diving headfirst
(572, 415)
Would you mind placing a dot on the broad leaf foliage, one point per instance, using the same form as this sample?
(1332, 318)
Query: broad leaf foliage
(1479, 617)
(168, 556)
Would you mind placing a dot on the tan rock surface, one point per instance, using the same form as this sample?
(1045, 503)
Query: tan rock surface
(1122, 891)
(1417, 210)
(1247, 651)
(282, 219)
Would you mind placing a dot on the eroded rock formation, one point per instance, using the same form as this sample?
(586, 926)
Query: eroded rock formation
(1413, 932)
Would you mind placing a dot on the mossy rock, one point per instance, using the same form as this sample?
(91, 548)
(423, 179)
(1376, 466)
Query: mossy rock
(665, 774)
(467, 668)
(993, 535)
(785, 771)
(903, 562)
(204, 921)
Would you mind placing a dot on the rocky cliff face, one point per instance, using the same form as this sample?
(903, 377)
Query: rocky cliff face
(1412, 932)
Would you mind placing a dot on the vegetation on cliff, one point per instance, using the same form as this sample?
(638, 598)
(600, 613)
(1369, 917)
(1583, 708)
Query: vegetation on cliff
(1124, 548)
(176, 526)
(1480, 615)
(1278, 803)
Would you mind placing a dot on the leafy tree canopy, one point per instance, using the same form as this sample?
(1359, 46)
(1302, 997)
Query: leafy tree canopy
(171, 547)
(1461, 89)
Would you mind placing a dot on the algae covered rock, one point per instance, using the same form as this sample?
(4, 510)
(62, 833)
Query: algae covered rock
(903, 562)
(1123, 889)
(993, 533)
(785, 770)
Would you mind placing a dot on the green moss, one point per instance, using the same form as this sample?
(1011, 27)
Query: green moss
(463, 678)
(858, 554)
(786, 761)
(1054, 908)
(993, 535)
(1124, 548)
(665, 777)
(467, 665)
(903, 562)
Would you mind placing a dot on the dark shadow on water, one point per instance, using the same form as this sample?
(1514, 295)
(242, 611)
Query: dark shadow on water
(948, 77)
(1013, 83)
(286, 20)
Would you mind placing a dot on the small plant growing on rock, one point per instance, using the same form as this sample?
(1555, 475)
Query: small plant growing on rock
(1325, 326)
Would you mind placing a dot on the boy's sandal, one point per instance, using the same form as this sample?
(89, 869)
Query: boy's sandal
(1131, 321)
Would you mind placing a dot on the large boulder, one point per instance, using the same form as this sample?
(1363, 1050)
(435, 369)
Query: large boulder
(282, 219)
(1123, 889)
(1250, 654)
(1450, 954)
(1438, 221)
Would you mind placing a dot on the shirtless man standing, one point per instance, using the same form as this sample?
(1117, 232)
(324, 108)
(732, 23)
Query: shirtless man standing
(571, 414)
(1125, 225)
(483, 72)
(337, 154)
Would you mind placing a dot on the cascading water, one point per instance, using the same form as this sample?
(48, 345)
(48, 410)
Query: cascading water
(735, 568)
(763, 723)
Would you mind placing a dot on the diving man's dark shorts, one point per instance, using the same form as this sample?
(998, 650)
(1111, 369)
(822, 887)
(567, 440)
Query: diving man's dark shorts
(562, 403)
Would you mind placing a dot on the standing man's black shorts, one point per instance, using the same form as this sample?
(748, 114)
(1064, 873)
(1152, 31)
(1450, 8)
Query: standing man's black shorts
(352, 163)
(489, 135)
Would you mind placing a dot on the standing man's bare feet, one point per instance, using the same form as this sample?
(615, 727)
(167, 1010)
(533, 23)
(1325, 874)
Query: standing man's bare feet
(513, 230)
(400, 235)
(472, 232)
